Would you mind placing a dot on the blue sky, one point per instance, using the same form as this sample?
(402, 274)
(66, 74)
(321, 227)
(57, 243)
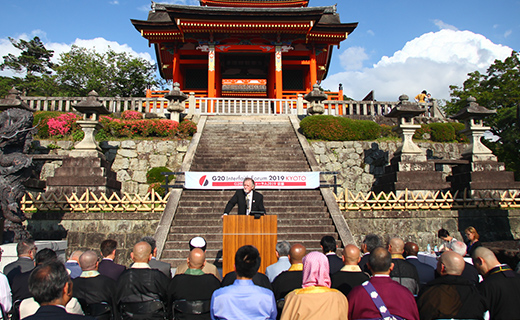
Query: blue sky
(400, 46)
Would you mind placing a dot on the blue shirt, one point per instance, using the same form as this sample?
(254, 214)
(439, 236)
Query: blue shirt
(275, 269)
(243, 300)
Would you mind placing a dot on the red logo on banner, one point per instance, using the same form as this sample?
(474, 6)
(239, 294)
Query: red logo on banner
(203, 181)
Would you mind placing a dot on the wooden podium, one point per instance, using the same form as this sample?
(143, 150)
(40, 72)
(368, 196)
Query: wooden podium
(240, 230)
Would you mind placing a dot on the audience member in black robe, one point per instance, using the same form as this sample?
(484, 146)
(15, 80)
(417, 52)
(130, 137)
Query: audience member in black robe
(93, 290)
(189, 294)
(350, 275)
(501, 285)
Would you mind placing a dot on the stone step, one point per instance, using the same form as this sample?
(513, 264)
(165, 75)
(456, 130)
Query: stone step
(214, 220)
(281, 229)
(267, 203)
(274, 209)
(308, 216)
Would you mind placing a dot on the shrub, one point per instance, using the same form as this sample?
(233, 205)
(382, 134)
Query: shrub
(62, 124)
(442, 132)
(387, 131)
(460, 137)
(165, 128)
(325, 127)
(423, 133)
(187, 128)
(131, 115)
(40, 120)
(155, 179)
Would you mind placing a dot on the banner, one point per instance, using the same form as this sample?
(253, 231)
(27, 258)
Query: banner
(263, 180)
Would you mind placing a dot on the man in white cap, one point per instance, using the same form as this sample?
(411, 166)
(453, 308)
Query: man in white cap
(210, 268)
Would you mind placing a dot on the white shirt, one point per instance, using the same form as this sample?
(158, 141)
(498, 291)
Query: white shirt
(5, 293)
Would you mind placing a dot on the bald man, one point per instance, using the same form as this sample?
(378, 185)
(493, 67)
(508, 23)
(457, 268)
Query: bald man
(350, 275)
(501, 285)
(91, 287)
(450, 295)
(425, 271)
(140, 289)
(291, 279)
(404, 272)
(189, 294)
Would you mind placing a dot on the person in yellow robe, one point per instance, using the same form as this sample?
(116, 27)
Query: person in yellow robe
(315, 300)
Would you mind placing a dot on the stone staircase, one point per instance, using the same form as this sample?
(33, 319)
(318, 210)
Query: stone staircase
(239, 143)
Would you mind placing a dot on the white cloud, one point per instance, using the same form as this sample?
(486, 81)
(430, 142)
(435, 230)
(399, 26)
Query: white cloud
(507, 33)
(352, 58)
(98, 44)
(115, 2)
(370, 32)
(442, 25)
(431, 62)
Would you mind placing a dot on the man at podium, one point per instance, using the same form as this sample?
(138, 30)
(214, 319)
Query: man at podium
(249, 201)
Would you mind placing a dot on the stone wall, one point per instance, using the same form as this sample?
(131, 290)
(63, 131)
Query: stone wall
(360, 163)
(86, 231)
(130, 159)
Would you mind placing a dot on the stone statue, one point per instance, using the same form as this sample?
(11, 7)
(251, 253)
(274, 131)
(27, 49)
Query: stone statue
(16, 129)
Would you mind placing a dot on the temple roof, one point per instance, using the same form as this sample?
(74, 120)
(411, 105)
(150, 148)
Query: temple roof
(255, 3)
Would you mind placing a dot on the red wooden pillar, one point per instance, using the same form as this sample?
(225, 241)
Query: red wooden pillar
(176, 65)
(211, 72)
(278, 76)
(313, 68)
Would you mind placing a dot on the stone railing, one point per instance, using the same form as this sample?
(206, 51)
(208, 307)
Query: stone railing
(227, 106)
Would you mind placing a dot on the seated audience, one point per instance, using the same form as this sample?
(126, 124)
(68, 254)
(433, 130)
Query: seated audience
(107, 266)
(72, 264)
(5, 291)
(243, 299)
(403, 272)
(350, 275)
(469, 272)
(94, 291)
(315, 300)
(444, 235)
(155, 263)
(282, 252)
(29, 305)
(141, 291)
(501, 286)
(189, 294)
(51, 287)
(450, 296)
(199, 242)
(329, 246)
(392, 298)
(425, 271)
(370, 242)
(291, 279)
(25, 249)
(473, 240)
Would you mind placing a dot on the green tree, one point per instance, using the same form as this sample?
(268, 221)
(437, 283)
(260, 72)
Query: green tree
(498, 89)
(110, 74)
(34, 58)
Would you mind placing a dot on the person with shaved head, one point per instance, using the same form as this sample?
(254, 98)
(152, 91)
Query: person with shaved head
(350, 275)
(142, 291)
(93, 290)
(189, 294)
(291, 279)
(393, 299)
(425, 271)
(501, 285)
(403, 272)
(450, 296)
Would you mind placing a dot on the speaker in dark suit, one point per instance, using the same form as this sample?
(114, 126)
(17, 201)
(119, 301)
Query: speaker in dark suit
(246, 205)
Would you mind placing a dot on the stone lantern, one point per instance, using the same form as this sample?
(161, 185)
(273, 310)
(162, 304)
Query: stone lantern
(176, 102)
(405, 111)
(472, 116)
(86, 168)
(315, 97)
(91, 109)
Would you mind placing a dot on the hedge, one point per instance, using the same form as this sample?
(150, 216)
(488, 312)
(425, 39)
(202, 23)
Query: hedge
(331, 128)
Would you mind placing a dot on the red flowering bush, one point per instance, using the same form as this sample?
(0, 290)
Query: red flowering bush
(187, 128)
(131, 115)
(166, 128)
(62, 124)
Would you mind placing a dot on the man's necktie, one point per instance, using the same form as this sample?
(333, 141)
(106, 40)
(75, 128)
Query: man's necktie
(248, 209)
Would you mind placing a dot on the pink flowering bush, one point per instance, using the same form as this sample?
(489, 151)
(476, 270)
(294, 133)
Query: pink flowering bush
(62, 124)
(166, 128)
(131, 115)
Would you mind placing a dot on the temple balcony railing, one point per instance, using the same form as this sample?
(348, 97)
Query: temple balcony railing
(225, 106)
